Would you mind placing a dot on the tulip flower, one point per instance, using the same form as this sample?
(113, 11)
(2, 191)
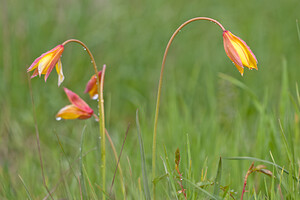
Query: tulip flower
(238, 52)
(91, 86)
(46, 62)
(77, 110)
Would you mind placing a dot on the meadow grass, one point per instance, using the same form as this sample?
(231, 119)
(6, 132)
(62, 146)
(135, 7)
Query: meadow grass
(208, 110)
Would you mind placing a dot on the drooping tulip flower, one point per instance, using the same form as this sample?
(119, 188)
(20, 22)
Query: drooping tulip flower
(239, 52)
(91, 86)
(46, 62)
(77, 110)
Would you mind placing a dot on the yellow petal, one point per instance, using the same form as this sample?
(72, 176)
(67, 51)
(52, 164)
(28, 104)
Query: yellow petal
(43, 64)
(70, 112)
(59, 72)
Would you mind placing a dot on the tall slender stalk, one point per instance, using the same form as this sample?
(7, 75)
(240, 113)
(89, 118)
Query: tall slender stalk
(160, 86)
(100, 108)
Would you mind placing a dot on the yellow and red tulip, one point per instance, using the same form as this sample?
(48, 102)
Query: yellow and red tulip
(46, 62)
(91, 86)
(78, 109)
(239, 52)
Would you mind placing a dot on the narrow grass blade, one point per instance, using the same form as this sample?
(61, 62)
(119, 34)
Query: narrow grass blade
(104, 193)
(298, 95)
(288, 151)
(298, 30)
(90, 184)
(118, 165)
(169, 172)
(157, 179)
(189, 157)
(200, 189)
(81, 178)
(241, 85)
(218, 178)
(144, 170)
(27, 191)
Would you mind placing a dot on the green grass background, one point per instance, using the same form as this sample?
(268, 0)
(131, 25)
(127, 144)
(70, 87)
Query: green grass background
(219, 117)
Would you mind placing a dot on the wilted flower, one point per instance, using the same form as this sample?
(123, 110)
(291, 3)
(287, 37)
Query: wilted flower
(91, 86)
(77, 110)
(238, 52)
(46, 62)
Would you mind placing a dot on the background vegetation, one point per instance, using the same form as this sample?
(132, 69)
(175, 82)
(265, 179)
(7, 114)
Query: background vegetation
(204, 100)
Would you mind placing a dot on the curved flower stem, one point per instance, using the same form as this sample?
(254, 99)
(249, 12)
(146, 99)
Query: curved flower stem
(160, 86)
(100, 108)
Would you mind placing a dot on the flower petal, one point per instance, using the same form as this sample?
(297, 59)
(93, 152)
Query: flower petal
(44, 63)
(241, 69)
(55, 59)
(77, 101)
(230, 50)
(35, 73)
(251, 56)
(35, 62)
(91, 86)
(72, 112)
(59, 72)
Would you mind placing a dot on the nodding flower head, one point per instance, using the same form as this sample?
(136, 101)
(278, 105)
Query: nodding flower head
(46, 62)
(91, 86)
(77, 110)
(239, 52)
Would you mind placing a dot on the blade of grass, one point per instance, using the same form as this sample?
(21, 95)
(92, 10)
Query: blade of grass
(81, 177)
(200, 189)
(298, 94)
(288, 151)
(189, 157)
(157, 179)
(27, 191)
(80, 190)
(298, 30)
(38, 137)
(218, 178)
(241, 85)
(90, 184)
(118, 161)
(104, 193)
(169, 172)
(144, 170)
(65, 173)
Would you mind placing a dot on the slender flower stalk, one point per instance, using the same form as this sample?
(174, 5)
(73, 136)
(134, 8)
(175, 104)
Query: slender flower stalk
(102, 126)
(100, 109)
(233, 45)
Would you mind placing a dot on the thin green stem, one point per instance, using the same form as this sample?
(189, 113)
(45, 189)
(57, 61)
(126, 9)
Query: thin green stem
(160, 86)
(100, 108)
(102, 129)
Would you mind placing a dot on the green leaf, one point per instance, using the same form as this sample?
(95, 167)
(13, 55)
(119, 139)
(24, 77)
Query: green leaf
(218, 178)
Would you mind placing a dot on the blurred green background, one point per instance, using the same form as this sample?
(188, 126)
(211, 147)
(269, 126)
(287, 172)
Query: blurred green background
(220, 118)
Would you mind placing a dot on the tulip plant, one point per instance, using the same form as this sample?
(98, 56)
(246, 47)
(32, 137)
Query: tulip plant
(78, 108)
(236, 49)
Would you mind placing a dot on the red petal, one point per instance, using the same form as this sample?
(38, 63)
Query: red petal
(92, 82)
(230, 50)
(77, 101)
